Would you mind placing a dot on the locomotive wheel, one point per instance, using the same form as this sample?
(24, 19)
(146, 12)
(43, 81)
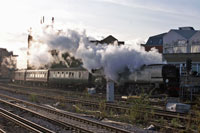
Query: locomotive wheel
(130, 89)
(133, 90)
(137, 91)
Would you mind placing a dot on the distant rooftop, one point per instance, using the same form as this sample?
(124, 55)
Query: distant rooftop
(186, 32)
(156, 40)
(186, 28)
(5, 52)
(108, 40)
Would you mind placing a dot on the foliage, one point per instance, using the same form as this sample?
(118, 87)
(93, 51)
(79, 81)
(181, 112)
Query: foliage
(77, 108)
(33, 98)
(66, 61)
(62, 105)
(197, 113)
(175, 122)
(139, 112)
(71, 61)
(102, 108)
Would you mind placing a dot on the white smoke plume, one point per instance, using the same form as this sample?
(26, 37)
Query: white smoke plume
(111, 58)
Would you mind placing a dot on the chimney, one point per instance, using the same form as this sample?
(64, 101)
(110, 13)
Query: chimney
(52, 20)
(186, 28)
(30, 38)
(43, 19)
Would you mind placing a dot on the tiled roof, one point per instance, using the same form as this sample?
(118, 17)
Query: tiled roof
(156, 40)
(109, 39)
(187, 34)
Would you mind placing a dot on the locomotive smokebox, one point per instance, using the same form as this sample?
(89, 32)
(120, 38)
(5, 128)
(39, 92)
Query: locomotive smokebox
(110, 91)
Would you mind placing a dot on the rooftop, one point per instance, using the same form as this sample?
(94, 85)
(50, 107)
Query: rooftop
(156, 40)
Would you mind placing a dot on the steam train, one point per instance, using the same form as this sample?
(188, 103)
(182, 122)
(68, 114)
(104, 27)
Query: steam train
(158, 78)
(161, 77)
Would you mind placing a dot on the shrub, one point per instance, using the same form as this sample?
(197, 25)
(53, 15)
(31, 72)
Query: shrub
(33, 98)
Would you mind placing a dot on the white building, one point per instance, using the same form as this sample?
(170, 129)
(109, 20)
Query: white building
(181, 44)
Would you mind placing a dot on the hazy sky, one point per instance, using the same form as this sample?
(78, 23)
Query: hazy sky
(127, 20)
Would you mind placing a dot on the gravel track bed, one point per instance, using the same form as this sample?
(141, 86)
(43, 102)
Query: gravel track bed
(35, 119)
(43, 101)
(11, 127)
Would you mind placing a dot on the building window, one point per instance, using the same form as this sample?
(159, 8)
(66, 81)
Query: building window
(198, 68)
(160, 41)
(194, 67)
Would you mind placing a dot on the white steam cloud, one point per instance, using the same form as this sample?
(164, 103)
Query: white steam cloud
(112, 59)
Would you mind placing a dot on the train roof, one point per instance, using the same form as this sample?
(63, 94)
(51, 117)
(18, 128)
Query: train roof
(68, 69)
(40, 70)
(54, 69)
(22, 70)
(155, 64)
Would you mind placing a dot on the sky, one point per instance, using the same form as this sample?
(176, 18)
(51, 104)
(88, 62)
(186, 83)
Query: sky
(127, 20)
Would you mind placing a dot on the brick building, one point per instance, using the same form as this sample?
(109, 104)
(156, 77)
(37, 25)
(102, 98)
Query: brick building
(155, 42)
(8, 63)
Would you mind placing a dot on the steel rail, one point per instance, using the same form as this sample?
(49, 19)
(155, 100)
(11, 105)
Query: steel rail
(109, 106)
(2, 131)
(23, 122)
(63, 124)
(69, 116)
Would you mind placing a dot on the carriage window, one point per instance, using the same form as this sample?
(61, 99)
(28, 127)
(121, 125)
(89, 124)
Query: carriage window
(62, 72)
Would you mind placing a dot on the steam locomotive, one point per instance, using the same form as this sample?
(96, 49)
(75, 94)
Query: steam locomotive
(161, 77)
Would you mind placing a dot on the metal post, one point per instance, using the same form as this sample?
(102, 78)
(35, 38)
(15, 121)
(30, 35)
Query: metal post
(110, 91)
(191, 89)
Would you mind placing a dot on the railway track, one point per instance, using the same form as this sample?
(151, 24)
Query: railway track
(98, 96)
(159, 113)
(32, 127)
(2, 131)
(75, 95)
(75, 122)
(110, 106)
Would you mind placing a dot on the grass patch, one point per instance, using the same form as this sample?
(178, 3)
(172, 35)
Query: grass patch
(33, 98)
(139, 113)
(197, 113)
